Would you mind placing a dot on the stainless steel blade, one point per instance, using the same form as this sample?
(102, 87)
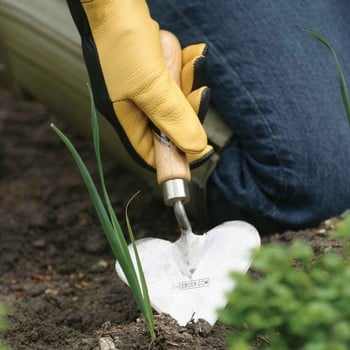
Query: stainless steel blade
(188, 278)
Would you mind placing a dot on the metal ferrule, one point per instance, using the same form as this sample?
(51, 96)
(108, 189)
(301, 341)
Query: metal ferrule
(175, 190)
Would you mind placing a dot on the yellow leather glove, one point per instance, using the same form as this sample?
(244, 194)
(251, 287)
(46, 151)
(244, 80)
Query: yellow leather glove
(131, 84)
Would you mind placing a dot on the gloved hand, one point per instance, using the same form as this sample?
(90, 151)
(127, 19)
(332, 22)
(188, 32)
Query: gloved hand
(124, 57)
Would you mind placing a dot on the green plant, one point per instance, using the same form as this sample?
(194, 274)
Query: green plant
(3, 324)
(342, 232)
(342, 83)
(299, 302)
(110, 223)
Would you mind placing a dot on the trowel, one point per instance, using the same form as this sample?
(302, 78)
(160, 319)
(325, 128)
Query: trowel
(188, 278)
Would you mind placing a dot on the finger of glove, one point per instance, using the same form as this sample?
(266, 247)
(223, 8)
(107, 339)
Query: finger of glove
(136, 128)
(193, 70)
(199, 100)
(167, 107)
(192, 51)
(195, 160)
(193, 74)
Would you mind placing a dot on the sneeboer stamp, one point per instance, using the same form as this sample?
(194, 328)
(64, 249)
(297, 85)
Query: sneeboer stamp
(193, 284)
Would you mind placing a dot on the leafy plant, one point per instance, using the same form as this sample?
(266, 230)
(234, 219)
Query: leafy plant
(3, 324)
(110, 223)
(300, 301)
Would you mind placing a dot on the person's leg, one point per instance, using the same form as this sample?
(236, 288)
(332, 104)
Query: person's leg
(289, 163)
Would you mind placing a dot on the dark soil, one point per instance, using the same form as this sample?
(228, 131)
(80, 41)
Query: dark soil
(57, 271)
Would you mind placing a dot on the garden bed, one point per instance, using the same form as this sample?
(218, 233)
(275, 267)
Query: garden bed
(57, 271)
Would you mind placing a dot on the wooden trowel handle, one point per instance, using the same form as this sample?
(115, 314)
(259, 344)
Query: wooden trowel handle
(170, 162)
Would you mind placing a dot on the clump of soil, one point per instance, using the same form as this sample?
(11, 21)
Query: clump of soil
(170, 335)
(57, 271)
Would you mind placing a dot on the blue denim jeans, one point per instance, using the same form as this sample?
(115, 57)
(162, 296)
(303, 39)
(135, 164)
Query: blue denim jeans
(289, 162)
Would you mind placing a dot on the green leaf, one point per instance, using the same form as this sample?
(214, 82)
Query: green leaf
(144, 301)
(342, 83)
(342, 230)
(148, 308)
(95, 197)
(115, 238)
(96, 139)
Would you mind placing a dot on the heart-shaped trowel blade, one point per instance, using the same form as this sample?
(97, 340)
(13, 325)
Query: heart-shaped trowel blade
(186, 294)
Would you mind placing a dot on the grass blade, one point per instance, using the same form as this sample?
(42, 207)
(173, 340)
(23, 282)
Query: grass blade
(149, 317)
(96, 140)
(95, 197)
(116, 239)
(97, 148)
(342, 83)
